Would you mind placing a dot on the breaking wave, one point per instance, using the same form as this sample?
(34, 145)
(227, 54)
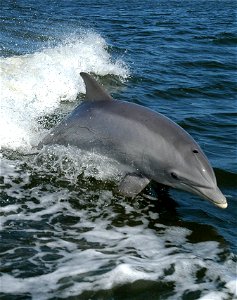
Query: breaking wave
(35, 85)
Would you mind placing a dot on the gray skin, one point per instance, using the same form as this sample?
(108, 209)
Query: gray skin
(148, 145)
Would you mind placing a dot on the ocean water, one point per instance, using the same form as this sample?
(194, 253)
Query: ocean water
(64, 233)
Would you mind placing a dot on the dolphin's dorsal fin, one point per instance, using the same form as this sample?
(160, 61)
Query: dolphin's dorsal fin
(94, 92)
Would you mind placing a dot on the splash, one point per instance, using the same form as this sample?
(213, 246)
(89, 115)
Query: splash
(34, 85)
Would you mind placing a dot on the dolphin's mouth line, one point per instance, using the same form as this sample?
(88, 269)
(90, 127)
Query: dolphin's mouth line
(193, 187)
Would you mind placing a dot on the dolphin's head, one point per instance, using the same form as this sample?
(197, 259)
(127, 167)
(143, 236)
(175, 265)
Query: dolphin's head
(189, 170)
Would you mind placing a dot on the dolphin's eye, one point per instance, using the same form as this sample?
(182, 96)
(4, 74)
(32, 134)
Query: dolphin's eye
(174, 176)
(195, 151)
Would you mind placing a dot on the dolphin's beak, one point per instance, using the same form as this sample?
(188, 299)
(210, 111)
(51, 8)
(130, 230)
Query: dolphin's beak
(212, 194)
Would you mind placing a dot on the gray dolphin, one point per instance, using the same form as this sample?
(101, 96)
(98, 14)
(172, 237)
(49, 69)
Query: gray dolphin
(147, 145)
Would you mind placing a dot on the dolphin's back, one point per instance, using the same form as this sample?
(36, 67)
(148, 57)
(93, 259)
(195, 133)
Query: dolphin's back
(106, 124)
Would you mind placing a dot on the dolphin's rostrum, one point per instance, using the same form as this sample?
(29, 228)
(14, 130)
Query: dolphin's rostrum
(148, 145)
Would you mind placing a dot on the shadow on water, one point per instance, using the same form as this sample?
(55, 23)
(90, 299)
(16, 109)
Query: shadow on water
(139, 290)
(155, 203)
(169, 215)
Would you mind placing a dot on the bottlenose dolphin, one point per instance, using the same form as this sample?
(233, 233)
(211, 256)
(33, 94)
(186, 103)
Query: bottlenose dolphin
(147, 145)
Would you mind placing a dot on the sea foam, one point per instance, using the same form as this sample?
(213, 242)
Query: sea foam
(34, 85)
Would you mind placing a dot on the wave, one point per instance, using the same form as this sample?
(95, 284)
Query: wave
(226, 39)
(34, 85)
(227, 178)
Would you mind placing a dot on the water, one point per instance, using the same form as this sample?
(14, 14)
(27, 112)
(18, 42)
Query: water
(64, 233)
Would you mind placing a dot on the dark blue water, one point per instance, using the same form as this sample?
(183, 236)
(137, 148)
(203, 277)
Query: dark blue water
(64, 234)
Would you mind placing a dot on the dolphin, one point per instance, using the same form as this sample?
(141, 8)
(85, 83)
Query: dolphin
(146, 144)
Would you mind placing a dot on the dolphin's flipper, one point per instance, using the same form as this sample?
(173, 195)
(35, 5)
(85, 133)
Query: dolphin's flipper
(133, 184)
(94, 91)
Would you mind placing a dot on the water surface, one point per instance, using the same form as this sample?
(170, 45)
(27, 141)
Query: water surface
(64, 233)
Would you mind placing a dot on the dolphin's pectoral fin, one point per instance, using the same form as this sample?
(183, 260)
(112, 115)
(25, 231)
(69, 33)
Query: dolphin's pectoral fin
(133, 184)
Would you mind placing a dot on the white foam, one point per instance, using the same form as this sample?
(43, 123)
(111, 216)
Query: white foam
(122, 274)
(214, 296)
(33, 85)
(131, 254)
